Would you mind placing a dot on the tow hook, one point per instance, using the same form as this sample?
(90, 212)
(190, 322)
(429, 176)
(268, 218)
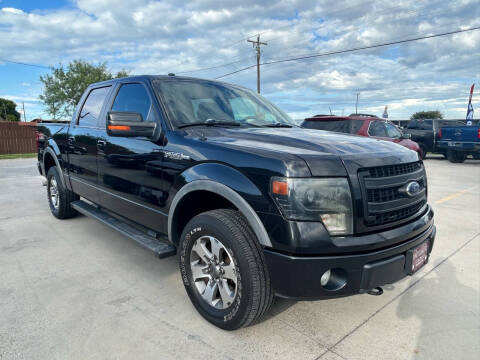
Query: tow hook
(377, 291)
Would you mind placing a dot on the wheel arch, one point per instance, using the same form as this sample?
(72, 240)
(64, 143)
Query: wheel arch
(50, 158)
(231, 199)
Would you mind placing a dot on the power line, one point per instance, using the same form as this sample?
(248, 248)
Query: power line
(215, 66)
(352, 50)
(25, 64)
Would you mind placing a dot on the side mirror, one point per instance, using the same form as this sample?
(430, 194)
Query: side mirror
(406, 136)
(128, 124)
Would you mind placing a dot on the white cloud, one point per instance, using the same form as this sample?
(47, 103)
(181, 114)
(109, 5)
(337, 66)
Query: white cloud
(170, 36)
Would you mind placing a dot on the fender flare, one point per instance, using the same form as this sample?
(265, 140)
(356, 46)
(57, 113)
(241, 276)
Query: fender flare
(50, 150)
(242, 205)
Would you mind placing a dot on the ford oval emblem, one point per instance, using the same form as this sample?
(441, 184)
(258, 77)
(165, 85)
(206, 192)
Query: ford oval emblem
(412, 188)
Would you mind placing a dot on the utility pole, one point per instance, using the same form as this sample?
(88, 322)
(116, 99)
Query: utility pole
(256, 45)
(356, 104)
(24, 115)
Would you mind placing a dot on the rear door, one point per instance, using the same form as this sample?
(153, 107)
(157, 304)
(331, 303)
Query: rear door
(130, 168)
(82, 144)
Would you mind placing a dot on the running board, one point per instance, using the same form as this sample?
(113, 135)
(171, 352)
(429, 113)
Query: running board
(161, 248)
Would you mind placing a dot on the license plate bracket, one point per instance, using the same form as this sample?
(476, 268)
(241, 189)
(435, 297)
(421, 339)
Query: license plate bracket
(417, 258)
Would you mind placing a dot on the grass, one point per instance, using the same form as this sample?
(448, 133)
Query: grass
(17, 156)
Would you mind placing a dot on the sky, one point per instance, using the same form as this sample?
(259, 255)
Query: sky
(160, 37)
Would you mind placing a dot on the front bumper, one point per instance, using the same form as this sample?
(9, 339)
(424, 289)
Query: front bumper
(298, 277)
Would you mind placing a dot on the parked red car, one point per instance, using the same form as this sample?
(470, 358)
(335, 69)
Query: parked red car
(369, 126)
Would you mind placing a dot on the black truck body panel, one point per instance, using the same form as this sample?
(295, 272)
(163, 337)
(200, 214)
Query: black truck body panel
(144, 180)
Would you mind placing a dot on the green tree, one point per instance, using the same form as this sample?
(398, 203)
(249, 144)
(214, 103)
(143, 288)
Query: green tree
(8, 110)
(431, 114)
(63, 88)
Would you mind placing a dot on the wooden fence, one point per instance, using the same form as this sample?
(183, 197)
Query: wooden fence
(16, 139)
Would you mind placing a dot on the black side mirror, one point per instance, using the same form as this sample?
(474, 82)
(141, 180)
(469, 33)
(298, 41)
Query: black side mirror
(406, 136)
(128, 124)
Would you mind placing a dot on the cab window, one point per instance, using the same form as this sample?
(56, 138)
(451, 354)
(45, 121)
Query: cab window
(133, 98)
(92, 107)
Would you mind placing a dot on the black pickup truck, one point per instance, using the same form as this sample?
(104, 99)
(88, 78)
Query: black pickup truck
(425, 132)
(255, 205)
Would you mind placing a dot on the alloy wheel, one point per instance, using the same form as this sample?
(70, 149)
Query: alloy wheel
(213, 271)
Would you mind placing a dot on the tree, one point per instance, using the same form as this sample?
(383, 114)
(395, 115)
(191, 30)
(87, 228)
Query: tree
(63, 88)
(431, 114)
(8, 110)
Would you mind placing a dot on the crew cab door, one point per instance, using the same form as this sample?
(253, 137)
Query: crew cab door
(82, 139)
(130, 176)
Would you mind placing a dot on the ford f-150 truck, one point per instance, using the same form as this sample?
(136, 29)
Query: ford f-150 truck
(255, 206)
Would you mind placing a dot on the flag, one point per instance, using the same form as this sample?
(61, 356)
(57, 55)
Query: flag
(470, 107)
(385, 112)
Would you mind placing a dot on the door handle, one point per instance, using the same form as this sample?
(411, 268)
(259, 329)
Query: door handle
(101, 144)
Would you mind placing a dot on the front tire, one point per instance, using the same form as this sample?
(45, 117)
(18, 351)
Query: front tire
(224, 270)
(59, 198)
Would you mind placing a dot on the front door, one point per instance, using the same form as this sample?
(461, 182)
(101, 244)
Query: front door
(82, 145)
(130, 168)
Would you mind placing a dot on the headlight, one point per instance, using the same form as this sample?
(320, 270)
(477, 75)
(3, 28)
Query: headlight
(326, 200)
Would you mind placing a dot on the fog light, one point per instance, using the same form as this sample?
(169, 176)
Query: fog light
(325, 277)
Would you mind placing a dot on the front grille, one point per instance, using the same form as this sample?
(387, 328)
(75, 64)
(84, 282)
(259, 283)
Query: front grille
(393, 170)
(385, 201)
(396, 215)
(387, 194)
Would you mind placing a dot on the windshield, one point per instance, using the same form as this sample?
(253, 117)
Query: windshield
(194, 101)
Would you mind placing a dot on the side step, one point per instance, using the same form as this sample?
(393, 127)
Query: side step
(162, 248)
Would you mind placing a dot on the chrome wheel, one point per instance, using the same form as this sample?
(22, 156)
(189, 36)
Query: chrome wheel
(213, 271)
(53, 190)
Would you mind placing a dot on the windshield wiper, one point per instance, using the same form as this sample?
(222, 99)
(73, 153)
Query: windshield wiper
(211, 122)
(279, 125)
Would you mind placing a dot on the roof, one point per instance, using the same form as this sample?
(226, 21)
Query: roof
(327, 117)
(159, 77)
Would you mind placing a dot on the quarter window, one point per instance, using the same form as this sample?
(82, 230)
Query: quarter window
(93, 106)
(133, 98)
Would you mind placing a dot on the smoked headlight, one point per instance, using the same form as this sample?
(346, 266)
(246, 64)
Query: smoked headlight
(316, 199)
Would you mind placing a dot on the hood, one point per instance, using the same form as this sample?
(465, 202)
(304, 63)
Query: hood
(316, 147)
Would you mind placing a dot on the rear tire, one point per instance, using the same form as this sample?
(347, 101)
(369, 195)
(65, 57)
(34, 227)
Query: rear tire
(59, 198)
(456, 156)
(250, 293)
(476, 156)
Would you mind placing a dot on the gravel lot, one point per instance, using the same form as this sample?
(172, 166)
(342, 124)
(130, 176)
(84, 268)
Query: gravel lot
(76, 289)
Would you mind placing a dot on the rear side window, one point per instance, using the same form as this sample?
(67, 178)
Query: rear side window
(377, 129)
(328, 125)
(355, 126)
(426, 125)
(93, 106)
(133, 98)
(412, 124)
(344, 126)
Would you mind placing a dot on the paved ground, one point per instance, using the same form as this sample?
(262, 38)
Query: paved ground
(77, 290)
